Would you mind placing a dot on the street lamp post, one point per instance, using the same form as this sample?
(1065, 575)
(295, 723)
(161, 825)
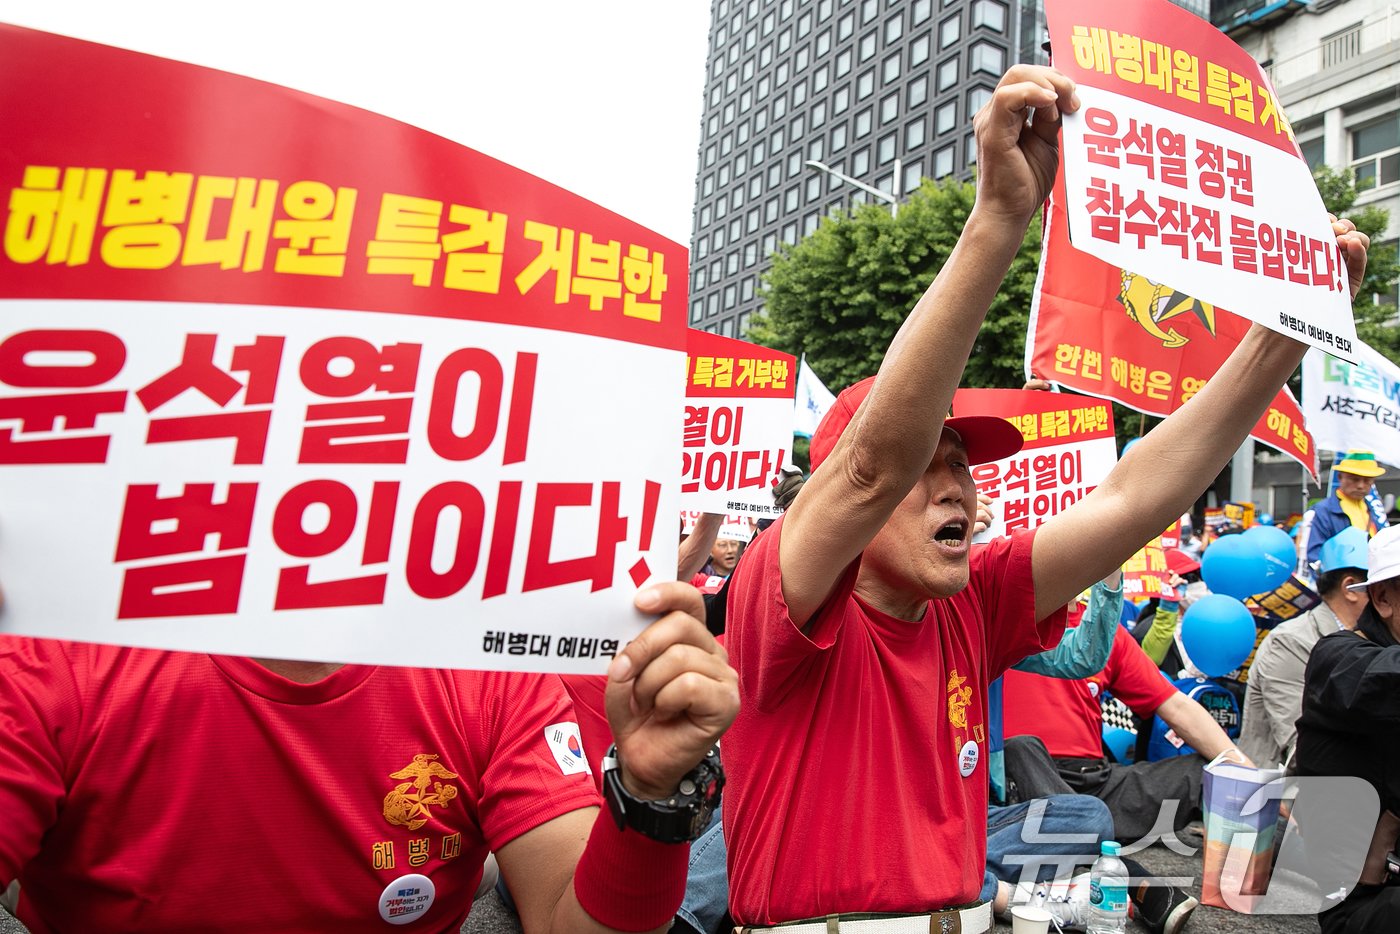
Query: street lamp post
(891, 197)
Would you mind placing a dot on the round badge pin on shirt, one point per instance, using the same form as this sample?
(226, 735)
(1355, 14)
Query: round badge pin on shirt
(406, 899)
(967, 758)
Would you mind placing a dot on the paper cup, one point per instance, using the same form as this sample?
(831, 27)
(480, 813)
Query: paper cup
(1028, 919)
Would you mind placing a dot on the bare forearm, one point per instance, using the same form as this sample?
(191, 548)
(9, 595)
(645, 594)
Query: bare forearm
(691, 555)
(1165, 472)
(570, 918)
(1195, 725)
(924, 364)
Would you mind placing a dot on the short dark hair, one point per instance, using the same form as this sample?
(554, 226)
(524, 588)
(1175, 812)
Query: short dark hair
(1328, 582)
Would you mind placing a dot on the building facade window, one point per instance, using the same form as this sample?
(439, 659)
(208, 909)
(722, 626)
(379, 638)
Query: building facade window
(945, 118)
(977, 98)
(889, 72)
(865, 85)
(869, 45)
(919, 50)
(1375, 151)
(885, 149)
(943, 162)
(988, 58)
(889, 109)
(989, 14)
(948, 74)
(913, 175)
(918, 91)
(863, 124)
(949, 31)
(914, 134)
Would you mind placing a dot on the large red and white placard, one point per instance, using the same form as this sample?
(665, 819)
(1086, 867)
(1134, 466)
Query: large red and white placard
(1181, 167)
(283, 378)
(738, 425)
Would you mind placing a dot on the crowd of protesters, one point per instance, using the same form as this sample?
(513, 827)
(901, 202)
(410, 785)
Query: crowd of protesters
(878, 775)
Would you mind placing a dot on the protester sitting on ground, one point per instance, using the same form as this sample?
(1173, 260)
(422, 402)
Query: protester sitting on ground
(1350, 725)
(329, 797)
(1068, 828)
(1274, 694)
(1058, 741)
(864, 631)
(1348, 507)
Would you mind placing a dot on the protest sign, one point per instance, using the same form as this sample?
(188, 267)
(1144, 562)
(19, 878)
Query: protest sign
(738, 424)
(1181, 167)
(280, 377)
(1353, 406)
(1094, 328)
(1069, 449)
(1146, 574)
(1171, 538)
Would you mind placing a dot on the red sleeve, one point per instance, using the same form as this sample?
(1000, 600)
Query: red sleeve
(524, 785)
(40, 713)
(588, 692)
(1001, 572)
(767, 648)
(1133, 678)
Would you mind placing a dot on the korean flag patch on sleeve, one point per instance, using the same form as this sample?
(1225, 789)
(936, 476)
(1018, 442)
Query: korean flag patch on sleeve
(566, 746)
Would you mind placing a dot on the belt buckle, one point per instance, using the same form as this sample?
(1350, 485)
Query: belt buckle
(945, 922)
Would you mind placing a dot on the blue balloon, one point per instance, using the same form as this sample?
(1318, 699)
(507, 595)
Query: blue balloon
(1127, 445)
(1234, 565)
(1218, 633)
(1265, 518)
(1280, 552)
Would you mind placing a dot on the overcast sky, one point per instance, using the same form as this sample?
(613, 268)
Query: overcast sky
(601, 97)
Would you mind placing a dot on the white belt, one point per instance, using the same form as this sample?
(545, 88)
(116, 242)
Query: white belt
(974, 920)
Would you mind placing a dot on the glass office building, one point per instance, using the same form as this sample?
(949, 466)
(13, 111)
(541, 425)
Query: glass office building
(882, 91)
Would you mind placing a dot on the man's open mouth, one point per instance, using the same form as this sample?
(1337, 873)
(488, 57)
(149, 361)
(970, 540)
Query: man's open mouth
(952, 533)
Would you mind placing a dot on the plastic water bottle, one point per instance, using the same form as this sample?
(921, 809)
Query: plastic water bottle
(1108, 892)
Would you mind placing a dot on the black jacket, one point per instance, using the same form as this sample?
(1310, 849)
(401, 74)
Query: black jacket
(1351, 708)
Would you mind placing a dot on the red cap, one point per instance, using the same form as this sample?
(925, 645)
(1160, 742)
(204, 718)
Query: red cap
(1181, 563)
(986, 437)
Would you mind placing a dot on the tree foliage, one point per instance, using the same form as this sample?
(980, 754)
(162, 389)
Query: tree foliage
(1339, 193)
(841, 293)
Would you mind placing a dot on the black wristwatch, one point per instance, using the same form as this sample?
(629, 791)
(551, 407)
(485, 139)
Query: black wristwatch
(678, 819)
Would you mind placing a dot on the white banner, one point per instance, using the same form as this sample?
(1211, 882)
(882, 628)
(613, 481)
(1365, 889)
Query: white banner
(1353, 406)
(1233, 221)
(343, 486)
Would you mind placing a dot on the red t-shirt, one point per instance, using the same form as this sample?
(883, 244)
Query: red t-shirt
(857, 766)
(1066, 715)
(161, 791)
